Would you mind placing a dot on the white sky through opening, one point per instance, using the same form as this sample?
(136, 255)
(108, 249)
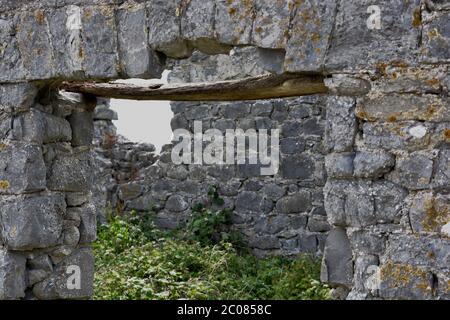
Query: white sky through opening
(144, 121)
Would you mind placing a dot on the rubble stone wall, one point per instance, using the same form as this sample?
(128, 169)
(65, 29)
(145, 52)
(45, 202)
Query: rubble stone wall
(47, 220)
(118, 161)
(385, 125)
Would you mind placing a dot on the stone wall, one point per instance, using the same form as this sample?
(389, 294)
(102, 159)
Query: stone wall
(47, 220)
(117, 160)
(385, 141)
(387, 194)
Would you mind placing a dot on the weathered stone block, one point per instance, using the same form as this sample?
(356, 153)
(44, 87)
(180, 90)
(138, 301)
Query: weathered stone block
(347, 85)
(177, 173)
(63, 283)
(70, 171)
(307, 243)
(408, 135)
(398, 79)
(82, 125)
(442, 175)
(234, 21)
(414, 171)
(360, 204)
(292, 145)
(19, 96)
(274, 191)
(272, 224)
(318, 223)
(12, 275)
(42, 262)
(34, 44)
(372, 164)
(339, 165)
(366, 274)
(429, 251)
(400, 107)
(397, 38)
(141, 61)
(367, 242)
(388, 199)
(176, 203)
(429, 212)
(299, 166)
(403, 281)
(291, 129)
(225, 172)
(340, 129)
(164, 34)
(198, 24)
(84, 218)
(99, 42)
(271, 25)
(443, 286)
(249, 201)
(11, 63)
(310, 35)
(312, 127)
(262, 108)
(76, 199)
(437, 5)
(30, 222)
(71, 236)
(40, 127)
(337, 262)
(64, 103)
(299, 202)
(22, 169)
(235, 110)
(436, 39)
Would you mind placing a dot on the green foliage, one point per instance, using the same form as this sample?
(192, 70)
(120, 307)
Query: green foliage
(134, 260)
(208, 226)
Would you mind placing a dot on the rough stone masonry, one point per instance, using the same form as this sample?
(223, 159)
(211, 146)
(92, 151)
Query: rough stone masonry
(371, 157)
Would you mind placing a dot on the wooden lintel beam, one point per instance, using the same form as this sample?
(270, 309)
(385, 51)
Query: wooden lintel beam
(253, 88)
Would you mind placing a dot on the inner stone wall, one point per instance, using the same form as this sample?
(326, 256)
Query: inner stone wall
(386, 131)
(278, 214)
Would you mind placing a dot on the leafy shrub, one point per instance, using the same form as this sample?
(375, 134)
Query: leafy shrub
(208, 226)
(134, 260)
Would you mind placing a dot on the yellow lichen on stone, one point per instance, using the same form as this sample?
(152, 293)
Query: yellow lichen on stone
(39, 15)
(4, 185)
(417, 18)
(315, 37)
(392, 118)
(88, 13)
(232, 11)
(436, 215)
(433, 33)
(401, 275)
(447, 134)
(362, 114)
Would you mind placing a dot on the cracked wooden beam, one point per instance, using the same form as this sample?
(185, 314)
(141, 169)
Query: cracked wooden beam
(253, 88)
